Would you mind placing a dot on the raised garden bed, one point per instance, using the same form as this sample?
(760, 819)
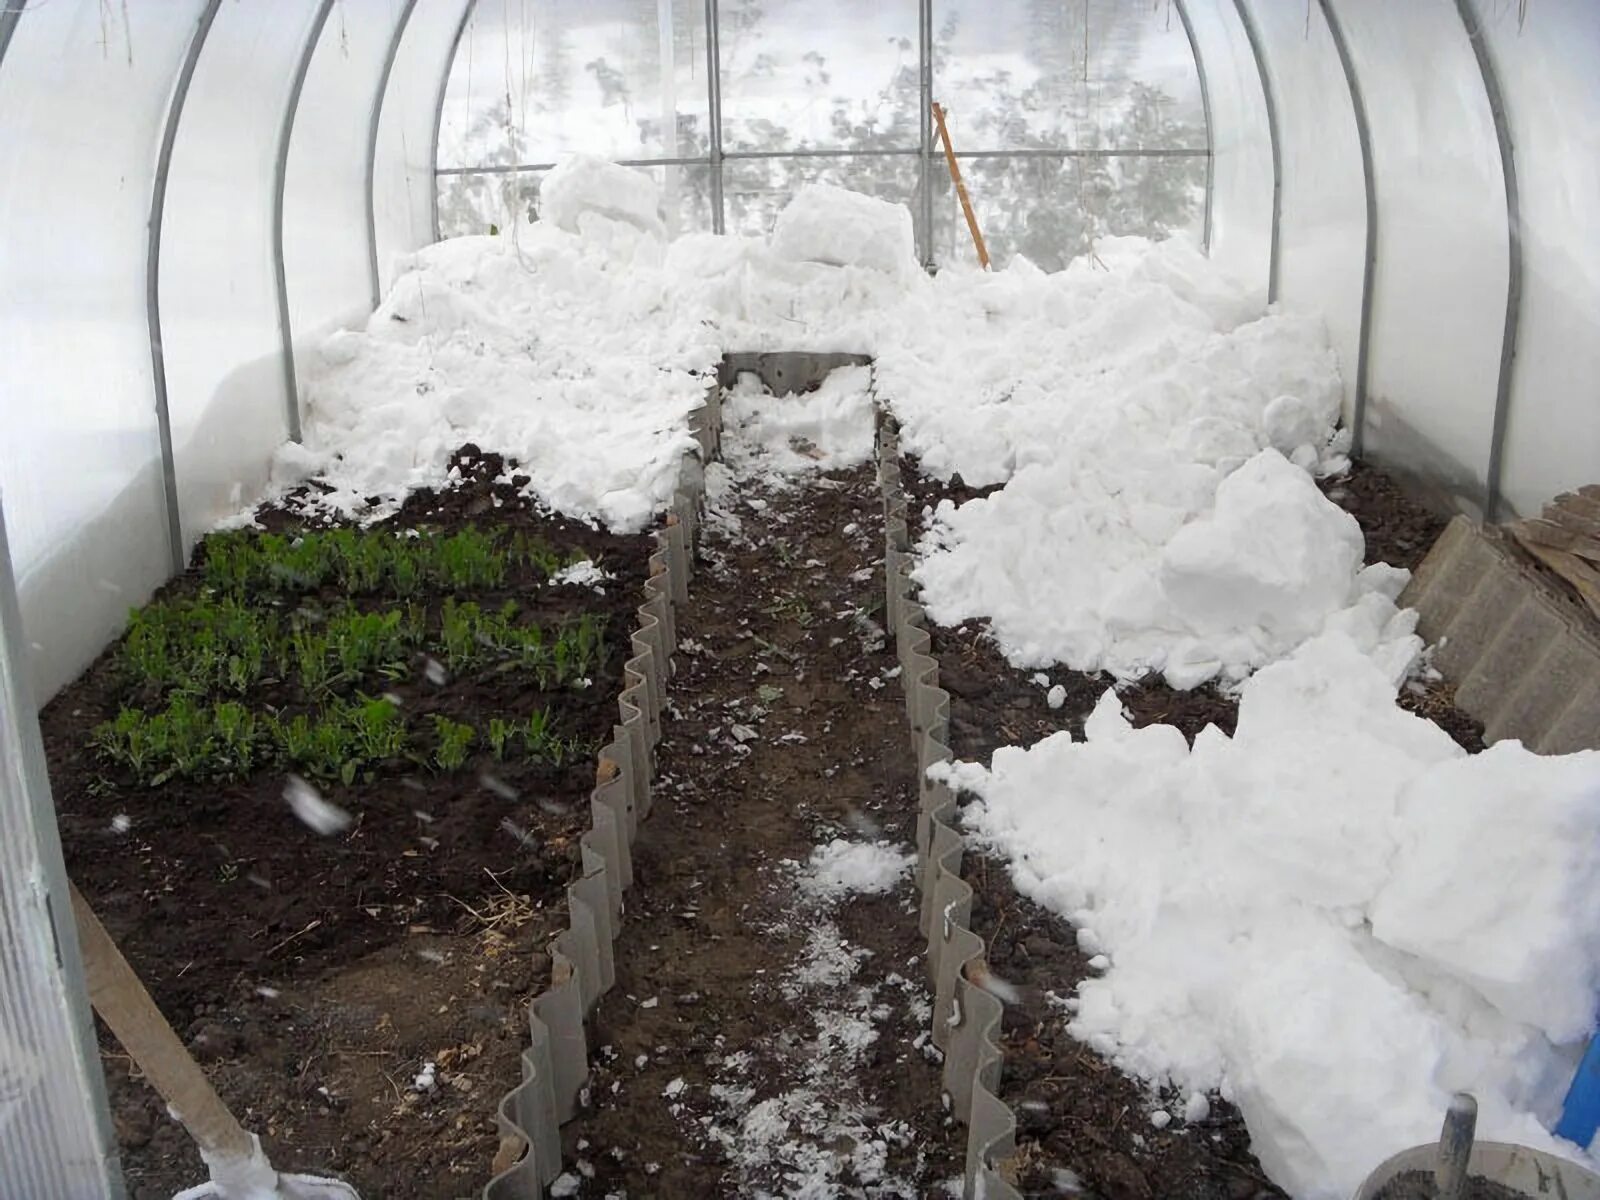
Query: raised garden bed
(1082, 1124)
(431, 683)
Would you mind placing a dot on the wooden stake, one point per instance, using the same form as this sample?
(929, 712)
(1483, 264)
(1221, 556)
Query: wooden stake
(961, 188)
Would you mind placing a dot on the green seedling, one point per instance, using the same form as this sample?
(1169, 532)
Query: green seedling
(454, 741)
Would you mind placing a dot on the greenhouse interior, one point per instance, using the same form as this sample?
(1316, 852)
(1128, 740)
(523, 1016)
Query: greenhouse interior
(799, 598)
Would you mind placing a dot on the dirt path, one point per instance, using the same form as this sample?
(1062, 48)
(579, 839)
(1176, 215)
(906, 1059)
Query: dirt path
(765, 1037)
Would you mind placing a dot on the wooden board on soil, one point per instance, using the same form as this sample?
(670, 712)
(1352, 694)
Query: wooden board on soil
(1080, 1118)
(316, 975)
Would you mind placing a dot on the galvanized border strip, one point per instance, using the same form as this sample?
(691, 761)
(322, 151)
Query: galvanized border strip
(1508, 171)
(438, 112)
(373, 127)
(1369, 183)
(280, 178)
(966, 1017)
(152, 282)
(1253, 36)
(1205, 110)
(555, 1066)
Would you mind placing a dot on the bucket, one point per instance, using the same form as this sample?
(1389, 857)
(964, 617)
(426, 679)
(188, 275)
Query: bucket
(1532, 1172)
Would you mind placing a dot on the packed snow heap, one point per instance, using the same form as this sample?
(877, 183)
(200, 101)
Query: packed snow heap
(1335, 917)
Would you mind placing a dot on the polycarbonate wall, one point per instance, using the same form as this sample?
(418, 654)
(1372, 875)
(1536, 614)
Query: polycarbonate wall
(1547, 72)
(1439, 286)
(83, 102)
(90, 96)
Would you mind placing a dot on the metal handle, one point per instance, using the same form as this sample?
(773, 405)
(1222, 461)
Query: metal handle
(1455, 1147)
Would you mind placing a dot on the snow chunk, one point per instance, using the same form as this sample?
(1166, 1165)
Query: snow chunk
(1273, 553)
(828, 224)
(583, 183)
(842, 866)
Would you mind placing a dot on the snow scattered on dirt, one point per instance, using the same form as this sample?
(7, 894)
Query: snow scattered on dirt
(1335, 917)
(841, 867)
(584, 574)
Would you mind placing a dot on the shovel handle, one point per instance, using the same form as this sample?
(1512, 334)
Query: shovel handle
(127, 1009)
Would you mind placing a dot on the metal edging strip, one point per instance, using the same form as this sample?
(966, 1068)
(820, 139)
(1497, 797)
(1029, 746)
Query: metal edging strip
(280, 175)
(373, 126)
(152, 281)
(1358, 418)
(438, 113)
(1514, 267)
(719, 221)
(1205, 110)
(1253, 36)
(925, 130)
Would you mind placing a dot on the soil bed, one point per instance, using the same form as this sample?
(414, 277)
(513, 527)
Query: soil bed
(763, 1039)
(1079, 1118)
(316, 975)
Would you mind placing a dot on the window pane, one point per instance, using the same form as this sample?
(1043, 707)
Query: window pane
(470, 204)
(1047, 208)
(819, 74)
(535, 81)
(1066, 74)
(755, 190)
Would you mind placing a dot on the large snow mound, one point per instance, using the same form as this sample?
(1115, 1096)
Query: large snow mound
(583, 184)
(1335, 916)
(828, 224)
(1158, 457)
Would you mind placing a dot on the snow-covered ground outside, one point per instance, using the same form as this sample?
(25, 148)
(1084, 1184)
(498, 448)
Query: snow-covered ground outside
(1334, 917)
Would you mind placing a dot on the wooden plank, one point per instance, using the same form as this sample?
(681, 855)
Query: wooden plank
(1543, 532)
(1582, 576)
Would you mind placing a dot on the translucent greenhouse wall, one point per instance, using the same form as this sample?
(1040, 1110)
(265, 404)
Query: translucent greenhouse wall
(209, 185)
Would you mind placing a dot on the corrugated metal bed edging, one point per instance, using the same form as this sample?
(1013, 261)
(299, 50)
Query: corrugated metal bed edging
(555, 1066)
(966, 1017)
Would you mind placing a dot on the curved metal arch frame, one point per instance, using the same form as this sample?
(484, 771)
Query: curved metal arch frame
(438, 113)
(1205, 112)
(1253, 36)
(1358, 104)
(373, 126)
(280, 176)
(1508, 172)
(152, 280)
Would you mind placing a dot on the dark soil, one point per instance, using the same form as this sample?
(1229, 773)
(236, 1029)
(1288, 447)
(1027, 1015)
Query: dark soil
(1076, 1111)
(315, 975)
(718, 1067)
(1078, 1116)
(1400, 530)
(1418, 1185)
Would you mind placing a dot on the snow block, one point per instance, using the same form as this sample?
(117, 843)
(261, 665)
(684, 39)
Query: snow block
(841, 228)
(586, 184)
(555, 1066)
(1525, 656)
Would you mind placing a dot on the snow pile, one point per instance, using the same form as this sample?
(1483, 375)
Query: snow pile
(1159, 511)
(841, 228)
(557, 352)
(585, 184)
(828, 429)
(841, 867)
(1335, 917)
